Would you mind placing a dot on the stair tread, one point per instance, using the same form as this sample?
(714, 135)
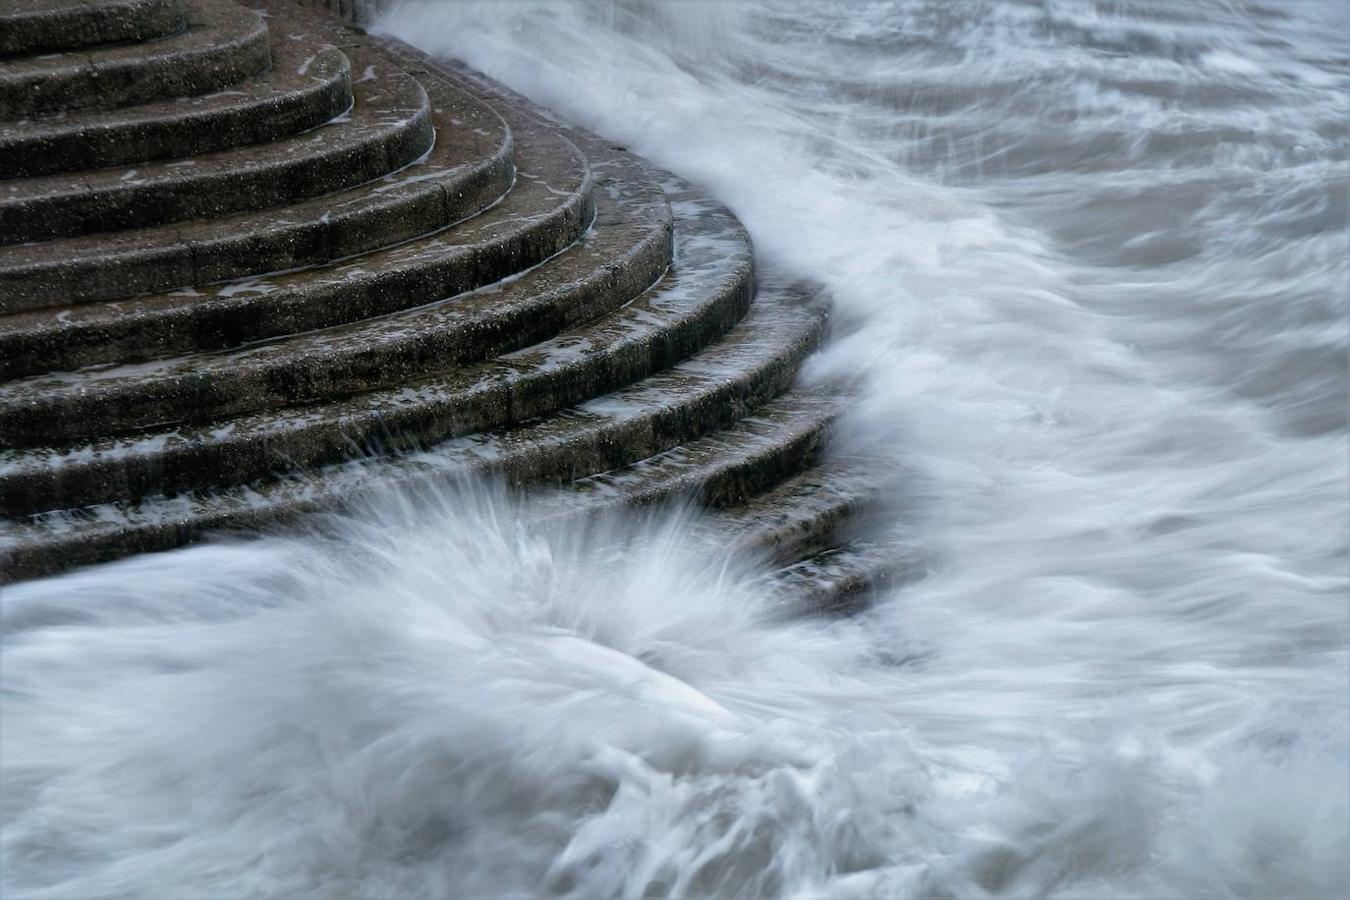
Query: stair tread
(628, 429)
(41, 26)
(625, 251)
(704, 294)
(467, 169)
(753, 363)
(713, 469)
(308, 84)
(806, 512)
(547, 209)
(388, 127)
(222, 44)
(844, 580)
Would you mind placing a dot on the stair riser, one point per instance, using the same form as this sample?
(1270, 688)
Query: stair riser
(75, 149)
(469, 168)
(724, 486)
(609, 445)
(297, 178)
(123, 81)
(732, 484)
(277, 245)
(217, 322)
(386, 426)
(419, 353)
(838, 593)
(829, 525)
(71, 27)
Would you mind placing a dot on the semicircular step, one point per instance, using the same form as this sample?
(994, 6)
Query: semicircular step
(223, 44)
(308, 84)
(624, 253)
(807, 511)
(547, 210)
(722, 469)
(46, 26)
(468, 168)
(703, 295)
(844, 580)
(389, 127)
(755, 362)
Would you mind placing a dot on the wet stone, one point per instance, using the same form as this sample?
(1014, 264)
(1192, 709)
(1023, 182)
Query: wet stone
(300, 264)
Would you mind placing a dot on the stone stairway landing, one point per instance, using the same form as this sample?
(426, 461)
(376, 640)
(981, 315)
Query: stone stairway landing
(255, 263)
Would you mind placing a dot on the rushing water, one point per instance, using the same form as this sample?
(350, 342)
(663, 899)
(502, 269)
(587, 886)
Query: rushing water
(1091, 259)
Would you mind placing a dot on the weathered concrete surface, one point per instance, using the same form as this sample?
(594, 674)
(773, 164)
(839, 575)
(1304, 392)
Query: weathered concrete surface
(469, 168)
(627, 251)
(44, 26)
(523, 300)
(389, 127)
(308, 85)
(222, 45)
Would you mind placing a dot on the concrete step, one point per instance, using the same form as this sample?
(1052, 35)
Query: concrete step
(309, 84)
(723, 469)
(809, 511)
(844, 580)
(547, 210)
(388, 128)
(468, 169)
(708, 391)
(46, 26)
(626, 252)
(698, 301)
(222, 45)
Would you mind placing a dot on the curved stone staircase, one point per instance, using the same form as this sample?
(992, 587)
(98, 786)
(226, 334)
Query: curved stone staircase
(255, 262)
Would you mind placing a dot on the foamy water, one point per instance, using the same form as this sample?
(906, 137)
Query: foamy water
(1091, 260)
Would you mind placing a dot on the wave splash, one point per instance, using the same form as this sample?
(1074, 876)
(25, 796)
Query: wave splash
(443, 698)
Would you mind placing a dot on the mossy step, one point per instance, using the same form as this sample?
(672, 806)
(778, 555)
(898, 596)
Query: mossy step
(756, 362)
(547, 210)
(309, 84)
(468, 169)
(705, 293)
(45, 26)
(389, 126)
(222, 45)
(627, 250)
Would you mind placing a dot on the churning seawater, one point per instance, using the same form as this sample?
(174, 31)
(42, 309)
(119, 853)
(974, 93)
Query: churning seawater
(1091, 262)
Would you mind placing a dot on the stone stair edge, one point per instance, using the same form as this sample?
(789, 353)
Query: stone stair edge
(53, 27)
(101, 534)
(475, 252)
(297, 93)
(195, 60)
(468, 169)
(388, 128)
(358, 356)
(671, 322)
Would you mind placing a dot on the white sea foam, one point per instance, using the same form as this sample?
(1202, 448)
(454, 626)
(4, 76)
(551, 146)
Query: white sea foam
(1091, 259)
